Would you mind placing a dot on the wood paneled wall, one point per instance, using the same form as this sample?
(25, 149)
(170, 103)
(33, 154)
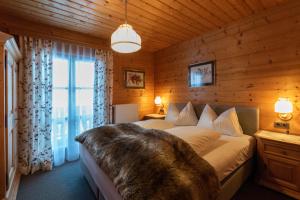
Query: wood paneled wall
(121, 95)
(257, 61)
(143, 97)
(19, 26)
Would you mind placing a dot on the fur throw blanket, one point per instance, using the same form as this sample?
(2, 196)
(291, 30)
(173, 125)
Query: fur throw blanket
(146, 164)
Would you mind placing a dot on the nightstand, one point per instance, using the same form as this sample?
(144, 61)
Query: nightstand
(154, 116)
(279, 162)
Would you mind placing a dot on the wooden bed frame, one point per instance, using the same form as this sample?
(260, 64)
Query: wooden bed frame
(104, 189)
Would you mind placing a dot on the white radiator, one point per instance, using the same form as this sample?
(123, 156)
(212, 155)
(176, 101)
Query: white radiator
(124, 113)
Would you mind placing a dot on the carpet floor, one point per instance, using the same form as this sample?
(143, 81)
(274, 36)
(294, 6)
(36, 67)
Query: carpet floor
(67, 183)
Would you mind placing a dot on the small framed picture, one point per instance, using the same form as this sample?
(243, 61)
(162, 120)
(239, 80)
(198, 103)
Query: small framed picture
(201, 74)
(134, 79)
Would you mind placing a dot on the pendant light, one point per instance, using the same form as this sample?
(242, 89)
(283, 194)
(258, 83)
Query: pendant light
(125, 39)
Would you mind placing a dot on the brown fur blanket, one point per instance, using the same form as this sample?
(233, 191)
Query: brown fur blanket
(150, 164)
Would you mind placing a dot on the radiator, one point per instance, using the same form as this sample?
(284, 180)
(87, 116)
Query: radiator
(124, 113)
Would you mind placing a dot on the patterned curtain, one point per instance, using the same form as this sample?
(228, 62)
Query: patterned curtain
(35, 109)
(103, 81)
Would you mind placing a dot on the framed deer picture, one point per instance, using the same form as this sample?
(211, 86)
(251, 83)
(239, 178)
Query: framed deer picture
(134, 79)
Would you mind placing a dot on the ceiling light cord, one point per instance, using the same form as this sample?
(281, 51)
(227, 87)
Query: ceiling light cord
(125, 11)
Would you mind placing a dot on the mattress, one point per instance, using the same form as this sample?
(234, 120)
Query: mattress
(228, 153)
(100, 180)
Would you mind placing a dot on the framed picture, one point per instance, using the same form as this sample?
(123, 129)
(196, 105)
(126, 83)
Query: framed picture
(134, 79)
(201, 74)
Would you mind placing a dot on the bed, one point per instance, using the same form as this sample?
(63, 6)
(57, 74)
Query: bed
(232, 168)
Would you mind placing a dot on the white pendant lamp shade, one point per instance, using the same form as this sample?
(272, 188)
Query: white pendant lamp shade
(125, 39)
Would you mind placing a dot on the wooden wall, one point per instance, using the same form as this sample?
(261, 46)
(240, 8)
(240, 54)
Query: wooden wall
(143, 97)
(257, 61)
(18, 26)
(121, 95)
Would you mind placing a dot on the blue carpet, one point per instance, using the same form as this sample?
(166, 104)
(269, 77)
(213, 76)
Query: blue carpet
(252, 191)
(65, 182)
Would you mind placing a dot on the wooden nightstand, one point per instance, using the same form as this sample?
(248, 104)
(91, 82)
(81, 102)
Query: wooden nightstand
(154, 116)
(279, 162)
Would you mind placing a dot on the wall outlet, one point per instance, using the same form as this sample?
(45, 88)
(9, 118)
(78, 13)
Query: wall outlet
(282, 125)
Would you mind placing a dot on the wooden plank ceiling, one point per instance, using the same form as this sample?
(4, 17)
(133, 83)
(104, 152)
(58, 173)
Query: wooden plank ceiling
(160, 23)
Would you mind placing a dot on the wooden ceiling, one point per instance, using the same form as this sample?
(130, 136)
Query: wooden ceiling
(160, 23)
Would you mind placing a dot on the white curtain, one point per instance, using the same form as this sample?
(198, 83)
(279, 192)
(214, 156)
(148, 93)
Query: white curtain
(64, 90)
(73, 88)
(34, 103)
(103, 83)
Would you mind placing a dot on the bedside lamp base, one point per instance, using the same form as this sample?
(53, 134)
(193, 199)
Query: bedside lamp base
(285, 116)
(161, 111)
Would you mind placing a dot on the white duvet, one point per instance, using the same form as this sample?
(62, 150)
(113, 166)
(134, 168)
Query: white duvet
(224, 153)
(199, 138)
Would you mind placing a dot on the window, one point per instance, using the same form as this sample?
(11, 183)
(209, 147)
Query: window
(72, 104)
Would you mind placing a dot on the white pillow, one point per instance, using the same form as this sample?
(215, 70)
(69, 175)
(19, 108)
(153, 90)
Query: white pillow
(207, 117)
(187, 117)
(199, 139)
(172, 113)
(228, 123)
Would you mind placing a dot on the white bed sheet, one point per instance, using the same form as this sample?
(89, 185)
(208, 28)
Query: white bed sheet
(228, 153)
(155, 124)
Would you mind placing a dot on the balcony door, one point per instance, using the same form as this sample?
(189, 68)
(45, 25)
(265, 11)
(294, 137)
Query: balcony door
(72, 103)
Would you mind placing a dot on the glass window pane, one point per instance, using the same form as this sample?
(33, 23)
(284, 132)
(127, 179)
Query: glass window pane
(84, 97)
(60, 98)
(84, 108)
(69, 96)
(59, 121)
(84, 73)
(60, 72)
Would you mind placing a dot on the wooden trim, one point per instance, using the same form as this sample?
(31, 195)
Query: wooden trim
(13, 191)
(7, 187)
(2, 120)
(4, 37)
(13, 49)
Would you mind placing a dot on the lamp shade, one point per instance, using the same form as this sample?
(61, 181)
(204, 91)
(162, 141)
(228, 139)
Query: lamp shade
(157, 100)
(125, 39)
(283, 105)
